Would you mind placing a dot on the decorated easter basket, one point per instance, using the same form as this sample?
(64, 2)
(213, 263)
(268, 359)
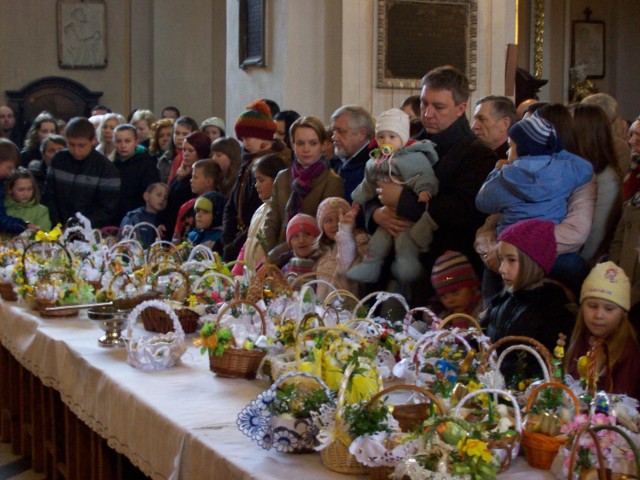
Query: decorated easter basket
(122, 302)
(539, 448)
(331, 335)
(380, 298)
(411, 415)
(507, 447)
(336, 456)
(601, 472)
(156, 320)
(437, 349)
(283, 432)
(238, 362)
(275, 366)
(267, 277)
(157, 352)
(489, 367)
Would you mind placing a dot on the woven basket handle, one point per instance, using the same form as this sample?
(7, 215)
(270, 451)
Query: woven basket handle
(168, 271)
(163, 249)
(235, 303)
(302, 326)
(542, 386)
(206, 276)
(289, 375)
(438, 335)
(301, 280)
(464, 316)
(414, 388)
(574, 452)
(256, 286)
(368, 321)
(627, 438)
(380, 297)
(311, 283)
(130, 230)
(546, 368)
(341, 295)
(121, 273)
(135, 313)
(336, 330)
(201, 249)
(495, 391)
(33, 244)
(409, 317)
(542, 354)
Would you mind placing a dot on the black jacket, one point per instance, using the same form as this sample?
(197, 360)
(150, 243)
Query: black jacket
(463, 165)
(136, 174)
(540, 313)
(90, 186)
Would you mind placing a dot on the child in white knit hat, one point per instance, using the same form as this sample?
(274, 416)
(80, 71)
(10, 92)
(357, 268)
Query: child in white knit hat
(400, 160)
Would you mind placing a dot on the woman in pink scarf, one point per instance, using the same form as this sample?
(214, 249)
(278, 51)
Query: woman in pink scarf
(300, 188)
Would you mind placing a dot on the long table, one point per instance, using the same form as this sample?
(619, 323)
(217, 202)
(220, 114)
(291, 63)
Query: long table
(172, 424)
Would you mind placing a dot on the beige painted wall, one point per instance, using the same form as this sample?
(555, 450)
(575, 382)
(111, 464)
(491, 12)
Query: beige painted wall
(319, 55)
(146, 65)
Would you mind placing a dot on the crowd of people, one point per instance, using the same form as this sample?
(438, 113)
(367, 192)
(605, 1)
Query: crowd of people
(527, 217)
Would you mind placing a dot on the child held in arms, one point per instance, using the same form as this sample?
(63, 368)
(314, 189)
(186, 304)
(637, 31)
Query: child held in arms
(400, 160)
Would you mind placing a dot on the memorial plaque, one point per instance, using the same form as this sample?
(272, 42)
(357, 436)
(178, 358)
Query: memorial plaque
(252, 15)
(415, 36)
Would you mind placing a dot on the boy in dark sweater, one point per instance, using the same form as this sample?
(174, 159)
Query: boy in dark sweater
(82, 180)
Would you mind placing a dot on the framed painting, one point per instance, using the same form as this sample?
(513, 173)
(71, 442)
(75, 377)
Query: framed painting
(82, 34)
(588, 47)
(415, 36)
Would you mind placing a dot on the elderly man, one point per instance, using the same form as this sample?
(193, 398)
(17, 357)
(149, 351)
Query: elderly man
(464, 163)
(353, 128)
(491, 121)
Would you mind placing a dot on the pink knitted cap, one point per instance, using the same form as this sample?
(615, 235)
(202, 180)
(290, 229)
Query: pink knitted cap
(535, 238)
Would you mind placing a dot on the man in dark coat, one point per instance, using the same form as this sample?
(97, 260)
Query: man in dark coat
(464, 163)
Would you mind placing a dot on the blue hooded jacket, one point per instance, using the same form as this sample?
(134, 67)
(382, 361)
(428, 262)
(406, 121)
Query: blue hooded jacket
(533, 187)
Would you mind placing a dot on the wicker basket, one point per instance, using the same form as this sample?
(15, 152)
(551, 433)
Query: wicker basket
(380, 473)
(237, 362)
(488, 363)
(541, 449)
(511, 445)
(602, 471)
(337, 458)
(267, 276)
(155, 320)
(157, 352)
(410, 416)
(7, 292)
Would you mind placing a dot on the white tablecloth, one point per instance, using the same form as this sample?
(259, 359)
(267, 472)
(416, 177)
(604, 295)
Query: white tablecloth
(172, 424)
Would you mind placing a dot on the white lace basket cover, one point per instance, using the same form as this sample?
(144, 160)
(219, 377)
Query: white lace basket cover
(156, 352)
(259, 424)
